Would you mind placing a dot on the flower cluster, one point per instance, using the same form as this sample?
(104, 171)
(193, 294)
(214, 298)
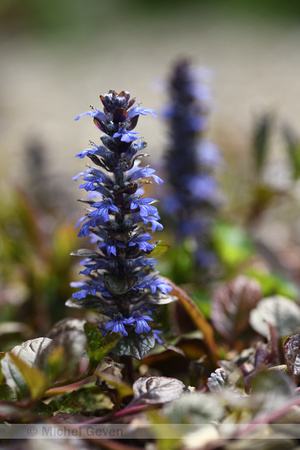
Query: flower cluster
(190, 160)
(120, 279)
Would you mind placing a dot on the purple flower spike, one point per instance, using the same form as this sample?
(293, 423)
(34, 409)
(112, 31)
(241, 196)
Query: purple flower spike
(119, 273)
(190, 162)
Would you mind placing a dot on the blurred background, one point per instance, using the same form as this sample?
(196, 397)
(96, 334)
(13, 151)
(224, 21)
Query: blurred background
(58, 56)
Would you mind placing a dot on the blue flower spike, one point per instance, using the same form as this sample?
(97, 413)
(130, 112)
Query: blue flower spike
(121, 282)
(190, 162)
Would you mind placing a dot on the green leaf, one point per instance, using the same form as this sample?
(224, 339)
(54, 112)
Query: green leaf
(87, 400)
(261, 138)
(117, 286)
(2, 378)
(160, 248)
(97, 345)
(274, 284)
(178, 264)
(56, 360)
(136, 345)
(33, 377)
(7, 393)
(42, 409)
(233, 244)
(202, 300)
(293, 149)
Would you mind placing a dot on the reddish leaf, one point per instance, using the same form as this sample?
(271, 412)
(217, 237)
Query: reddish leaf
(232, 304)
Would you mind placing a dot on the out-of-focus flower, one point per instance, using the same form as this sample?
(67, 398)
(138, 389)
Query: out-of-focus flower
(190, 160)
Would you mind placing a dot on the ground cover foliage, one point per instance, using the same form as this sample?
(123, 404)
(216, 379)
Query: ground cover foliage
(213, 347)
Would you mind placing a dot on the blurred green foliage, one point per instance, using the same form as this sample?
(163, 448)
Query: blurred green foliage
(268, 9)
(233, 245)
(35, 265)
(40, 16)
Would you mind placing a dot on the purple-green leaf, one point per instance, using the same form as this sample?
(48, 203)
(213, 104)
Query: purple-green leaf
(135, 345)
(118, 286)
(291, 349)
(282, 313)
(20, 367)
(155, 390)
(232, 304)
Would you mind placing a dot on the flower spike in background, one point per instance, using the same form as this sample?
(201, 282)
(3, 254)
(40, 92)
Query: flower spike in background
(190, 161)
(121, 282)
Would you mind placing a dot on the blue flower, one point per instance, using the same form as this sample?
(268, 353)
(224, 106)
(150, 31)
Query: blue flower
(111, 246)
(117, 324)
(144, 172)
(124, 134)
(143, 111)
(86, 227)
(203, 187)
(144, 205)
(89, 287)
(96, 150)
(94, 178)
(141, 322)
(148, 261)
(155, 334)
(153, 283)
(141, 240)
(81, 174)
(139, 263)
(153, 220)
(92, 265)
(103, 209)
(208, 153)
(159, 283)
(95, 113)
